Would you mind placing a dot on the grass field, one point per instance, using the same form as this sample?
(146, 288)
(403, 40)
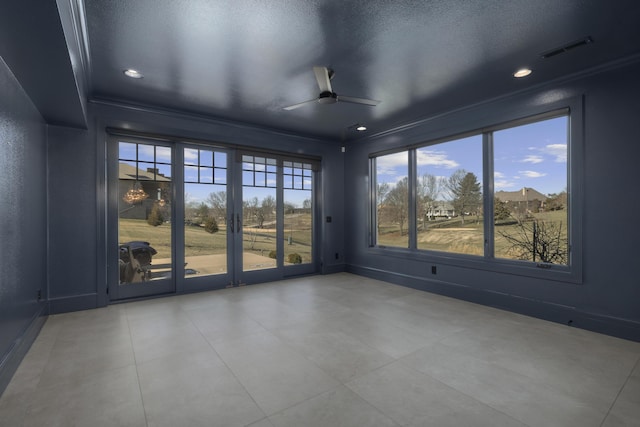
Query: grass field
(198, 242)
(450, 235)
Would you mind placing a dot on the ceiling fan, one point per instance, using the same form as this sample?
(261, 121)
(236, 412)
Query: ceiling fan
(327, 95)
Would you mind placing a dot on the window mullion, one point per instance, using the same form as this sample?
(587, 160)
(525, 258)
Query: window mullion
(488, 192)
(412, 214)
(373, 198)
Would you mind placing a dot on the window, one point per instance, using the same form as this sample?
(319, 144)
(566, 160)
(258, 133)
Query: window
(530, 179)
(434, 197)
(392, 195)
(449, 196)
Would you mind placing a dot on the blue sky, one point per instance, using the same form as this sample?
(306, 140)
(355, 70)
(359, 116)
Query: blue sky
(533, 155)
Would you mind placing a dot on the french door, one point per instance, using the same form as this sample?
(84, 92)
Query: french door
(186, 217)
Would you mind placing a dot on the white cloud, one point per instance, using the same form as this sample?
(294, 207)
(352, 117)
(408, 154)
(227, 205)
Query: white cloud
(497, 174)
(190, 154)
(390, 164)
(532, 174)
(559, 151)
(534, 159)
(502, 184)
(435, 158)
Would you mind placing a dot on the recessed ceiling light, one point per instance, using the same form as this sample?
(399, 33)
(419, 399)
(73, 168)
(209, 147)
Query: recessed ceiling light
(523, 72)
(134, 74)
(361, 128)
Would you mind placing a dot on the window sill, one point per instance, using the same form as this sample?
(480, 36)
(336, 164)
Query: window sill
(551, 272)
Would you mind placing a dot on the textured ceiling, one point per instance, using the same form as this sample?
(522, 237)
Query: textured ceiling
(244, 60)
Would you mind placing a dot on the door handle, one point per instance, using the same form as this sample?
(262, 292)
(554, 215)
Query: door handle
(231, 224)
(238, 222)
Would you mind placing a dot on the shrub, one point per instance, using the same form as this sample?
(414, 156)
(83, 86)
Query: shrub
(155, 217)
(210, 225)
(294, 258)
(273, 254)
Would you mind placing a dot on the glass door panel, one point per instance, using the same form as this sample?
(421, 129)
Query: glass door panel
(145, 238)
(259, 213)
(298, 213)
(205, 213)
(225, 223)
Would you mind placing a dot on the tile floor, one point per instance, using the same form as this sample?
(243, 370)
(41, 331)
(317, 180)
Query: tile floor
(339, 350)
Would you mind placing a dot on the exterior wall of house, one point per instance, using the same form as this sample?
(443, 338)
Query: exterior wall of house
(608, 297)
(23, 222)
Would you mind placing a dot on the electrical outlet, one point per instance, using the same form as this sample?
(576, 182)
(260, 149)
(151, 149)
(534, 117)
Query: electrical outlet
(434, 270)
(337, 255)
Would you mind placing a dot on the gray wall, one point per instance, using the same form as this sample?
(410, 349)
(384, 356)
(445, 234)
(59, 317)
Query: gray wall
(72, 220)
(23, 221)
(608, 299)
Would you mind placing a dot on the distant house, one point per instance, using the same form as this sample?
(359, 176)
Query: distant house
(441, 209)
(528, 198)
(154, 184)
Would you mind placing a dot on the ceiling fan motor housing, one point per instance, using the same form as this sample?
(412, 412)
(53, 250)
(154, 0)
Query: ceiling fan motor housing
(328, 98)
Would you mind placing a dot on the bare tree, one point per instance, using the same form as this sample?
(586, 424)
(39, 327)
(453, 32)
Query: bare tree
(397, 203)
(266, 211)
(539, 241)
(381, 192)
(428, 189)
(218, 203)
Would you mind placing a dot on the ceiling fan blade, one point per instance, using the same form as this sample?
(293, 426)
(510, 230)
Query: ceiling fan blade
(294, 106)
(322, 76)
(355, 100)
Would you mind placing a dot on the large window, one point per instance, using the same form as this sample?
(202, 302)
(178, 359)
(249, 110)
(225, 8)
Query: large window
(435, 197)
(392, 194)
(449, 196)
(530, 170)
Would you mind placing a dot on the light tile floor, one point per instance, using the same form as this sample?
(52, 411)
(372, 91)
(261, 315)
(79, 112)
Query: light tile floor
(338, 350)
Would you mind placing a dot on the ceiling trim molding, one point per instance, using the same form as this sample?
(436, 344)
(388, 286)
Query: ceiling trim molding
(608, 66)
(155, 110)
(82, 38)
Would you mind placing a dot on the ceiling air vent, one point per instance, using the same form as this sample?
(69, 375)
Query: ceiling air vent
(567, 47)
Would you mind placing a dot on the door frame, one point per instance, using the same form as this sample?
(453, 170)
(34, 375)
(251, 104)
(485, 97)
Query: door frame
(235, 276)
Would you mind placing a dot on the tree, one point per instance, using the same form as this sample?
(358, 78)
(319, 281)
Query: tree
(306, 204)
(155, 217)
(289, 208)
(539, 241)
(501, 210)
(250, 209)
(202, 213)
(381, 192)
(218, 203)
(556, 202)
(465, 192)
(427, 191)
(397, 203)
(266, 210)
(210, 225)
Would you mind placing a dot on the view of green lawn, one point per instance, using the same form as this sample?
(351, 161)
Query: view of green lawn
(450, 235)
(198, 242)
